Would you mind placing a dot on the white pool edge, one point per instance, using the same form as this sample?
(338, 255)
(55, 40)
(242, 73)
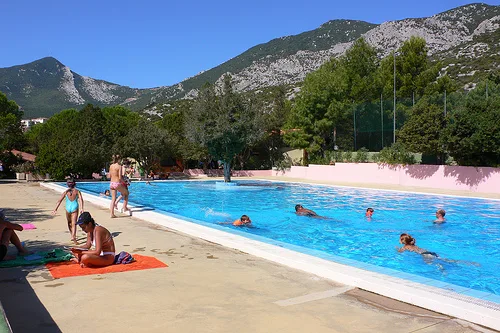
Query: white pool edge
(475, 310)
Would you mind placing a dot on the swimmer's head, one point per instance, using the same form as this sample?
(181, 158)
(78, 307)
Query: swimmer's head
(70, 183)
(441, 212)
(297, 207)
(369, 212)
(406, 239)
(106, 193)
(245, 219)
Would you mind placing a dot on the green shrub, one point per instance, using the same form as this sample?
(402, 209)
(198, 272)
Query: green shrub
(396, 154)
(361, 156)
(347, 156)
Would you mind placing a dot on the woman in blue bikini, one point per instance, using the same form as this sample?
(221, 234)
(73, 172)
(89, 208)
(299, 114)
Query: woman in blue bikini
(74, 206)
(98, 238)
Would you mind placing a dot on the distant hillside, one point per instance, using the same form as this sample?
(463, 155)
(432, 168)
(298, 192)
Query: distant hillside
(46, 86)
(464, 39)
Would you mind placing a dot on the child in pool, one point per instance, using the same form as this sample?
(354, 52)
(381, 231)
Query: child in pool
(409, 245)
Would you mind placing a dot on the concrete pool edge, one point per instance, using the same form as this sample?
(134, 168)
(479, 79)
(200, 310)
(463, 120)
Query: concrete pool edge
(476, 310)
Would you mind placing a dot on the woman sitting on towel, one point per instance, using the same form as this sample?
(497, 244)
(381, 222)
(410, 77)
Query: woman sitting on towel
(100, 239)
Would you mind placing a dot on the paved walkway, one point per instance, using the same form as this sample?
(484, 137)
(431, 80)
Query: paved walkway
(206, 288)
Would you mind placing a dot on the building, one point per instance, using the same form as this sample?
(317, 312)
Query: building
(27, 123)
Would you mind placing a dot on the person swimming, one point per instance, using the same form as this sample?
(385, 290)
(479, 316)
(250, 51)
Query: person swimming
(300, 210)
(409, 245)
(369, 212)
(243, 220)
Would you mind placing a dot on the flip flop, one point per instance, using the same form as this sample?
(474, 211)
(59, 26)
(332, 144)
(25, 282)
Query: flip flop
(3, 251)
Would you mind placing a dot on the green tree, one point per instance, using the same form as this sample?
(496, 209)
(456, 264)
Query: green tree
(225, 124)
(50, 142)
(473, 133)
(11, 135)
(173, 120)
(146, 143)
(423, 131)
(319, 107)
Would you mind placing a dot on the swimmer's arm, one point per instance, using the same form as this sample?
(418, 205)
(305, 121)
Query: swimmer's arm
(401, 249)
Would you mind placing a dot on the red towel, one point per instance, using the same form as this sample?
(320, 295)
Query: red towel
(68, 269)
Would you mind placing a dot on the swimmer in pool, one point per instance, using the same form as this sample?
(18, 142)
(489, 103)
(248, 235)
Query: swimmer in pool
(440, 213)
(299, 210)
(369, 212)
(409, 245)
(243, 220)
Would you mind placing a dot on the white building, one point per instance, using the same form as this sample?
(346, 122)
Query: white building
(27, 123)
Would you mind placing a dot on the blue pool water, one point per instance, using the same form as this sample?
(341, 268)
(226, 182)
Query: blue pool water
(470, 236)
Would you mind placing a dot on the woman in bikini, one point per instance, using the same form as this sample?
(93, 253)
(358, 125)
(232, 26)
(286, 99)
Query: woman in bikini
(98, 238)
(117, 183)
(74, 206)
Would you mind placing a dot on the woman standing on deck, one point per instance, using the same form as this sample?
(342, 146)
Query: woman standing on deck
(117, 183)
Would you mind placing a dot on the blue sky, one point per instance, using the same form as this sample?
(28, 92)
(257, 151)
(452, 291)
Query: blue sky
(150, 43)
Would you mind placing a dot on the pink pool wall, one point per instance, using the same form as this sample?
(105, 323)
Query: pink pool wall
(483, 180)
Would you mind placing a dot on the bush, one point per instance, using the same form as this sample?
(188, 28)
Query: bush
(347, 156)
(25, 167)
(396, 154)
(361, 156)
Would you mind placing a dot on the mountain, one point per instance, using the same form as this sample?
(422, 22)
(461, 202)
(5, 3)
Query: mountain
(46, 86)
(464, 39)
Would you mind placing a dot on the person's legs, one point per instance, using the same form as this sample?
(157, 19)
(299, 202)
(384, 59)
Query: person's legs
(74, 217)
(124, 192)
(113, 203)
(118, 201)
(5, 237)
(4, 243)
(14, 239)
(69, 219)
(97, 261)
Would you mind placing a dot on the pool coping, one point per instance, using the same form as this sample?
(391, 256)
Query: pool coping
(443, 299)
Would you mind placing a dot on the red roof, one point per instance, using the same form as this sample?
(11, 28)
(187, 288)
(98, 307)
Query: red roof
(24, 156)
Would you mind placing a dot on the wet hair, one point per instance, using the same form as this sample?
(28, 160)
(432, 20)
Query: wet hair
(441, 212)
(370, 209)
(297, 207)
(407, 239)
(106, 192)
(244, 217)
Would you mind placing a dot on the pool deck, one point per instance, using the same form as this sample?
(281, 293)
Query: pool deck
(206, 288)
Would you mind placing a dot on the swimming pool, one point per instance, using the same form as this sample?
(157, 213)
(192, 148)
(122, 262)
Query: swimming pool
(471, 235)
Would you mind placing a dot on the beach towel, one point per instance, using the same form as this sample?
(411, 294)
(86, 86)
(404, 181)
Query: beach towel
(69, 269)
(28, 226)
(37, 258)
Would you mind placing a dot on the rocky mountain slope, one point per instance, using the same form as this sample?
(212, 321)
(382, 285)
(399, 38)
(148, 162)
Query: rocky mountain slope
(465, 39)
